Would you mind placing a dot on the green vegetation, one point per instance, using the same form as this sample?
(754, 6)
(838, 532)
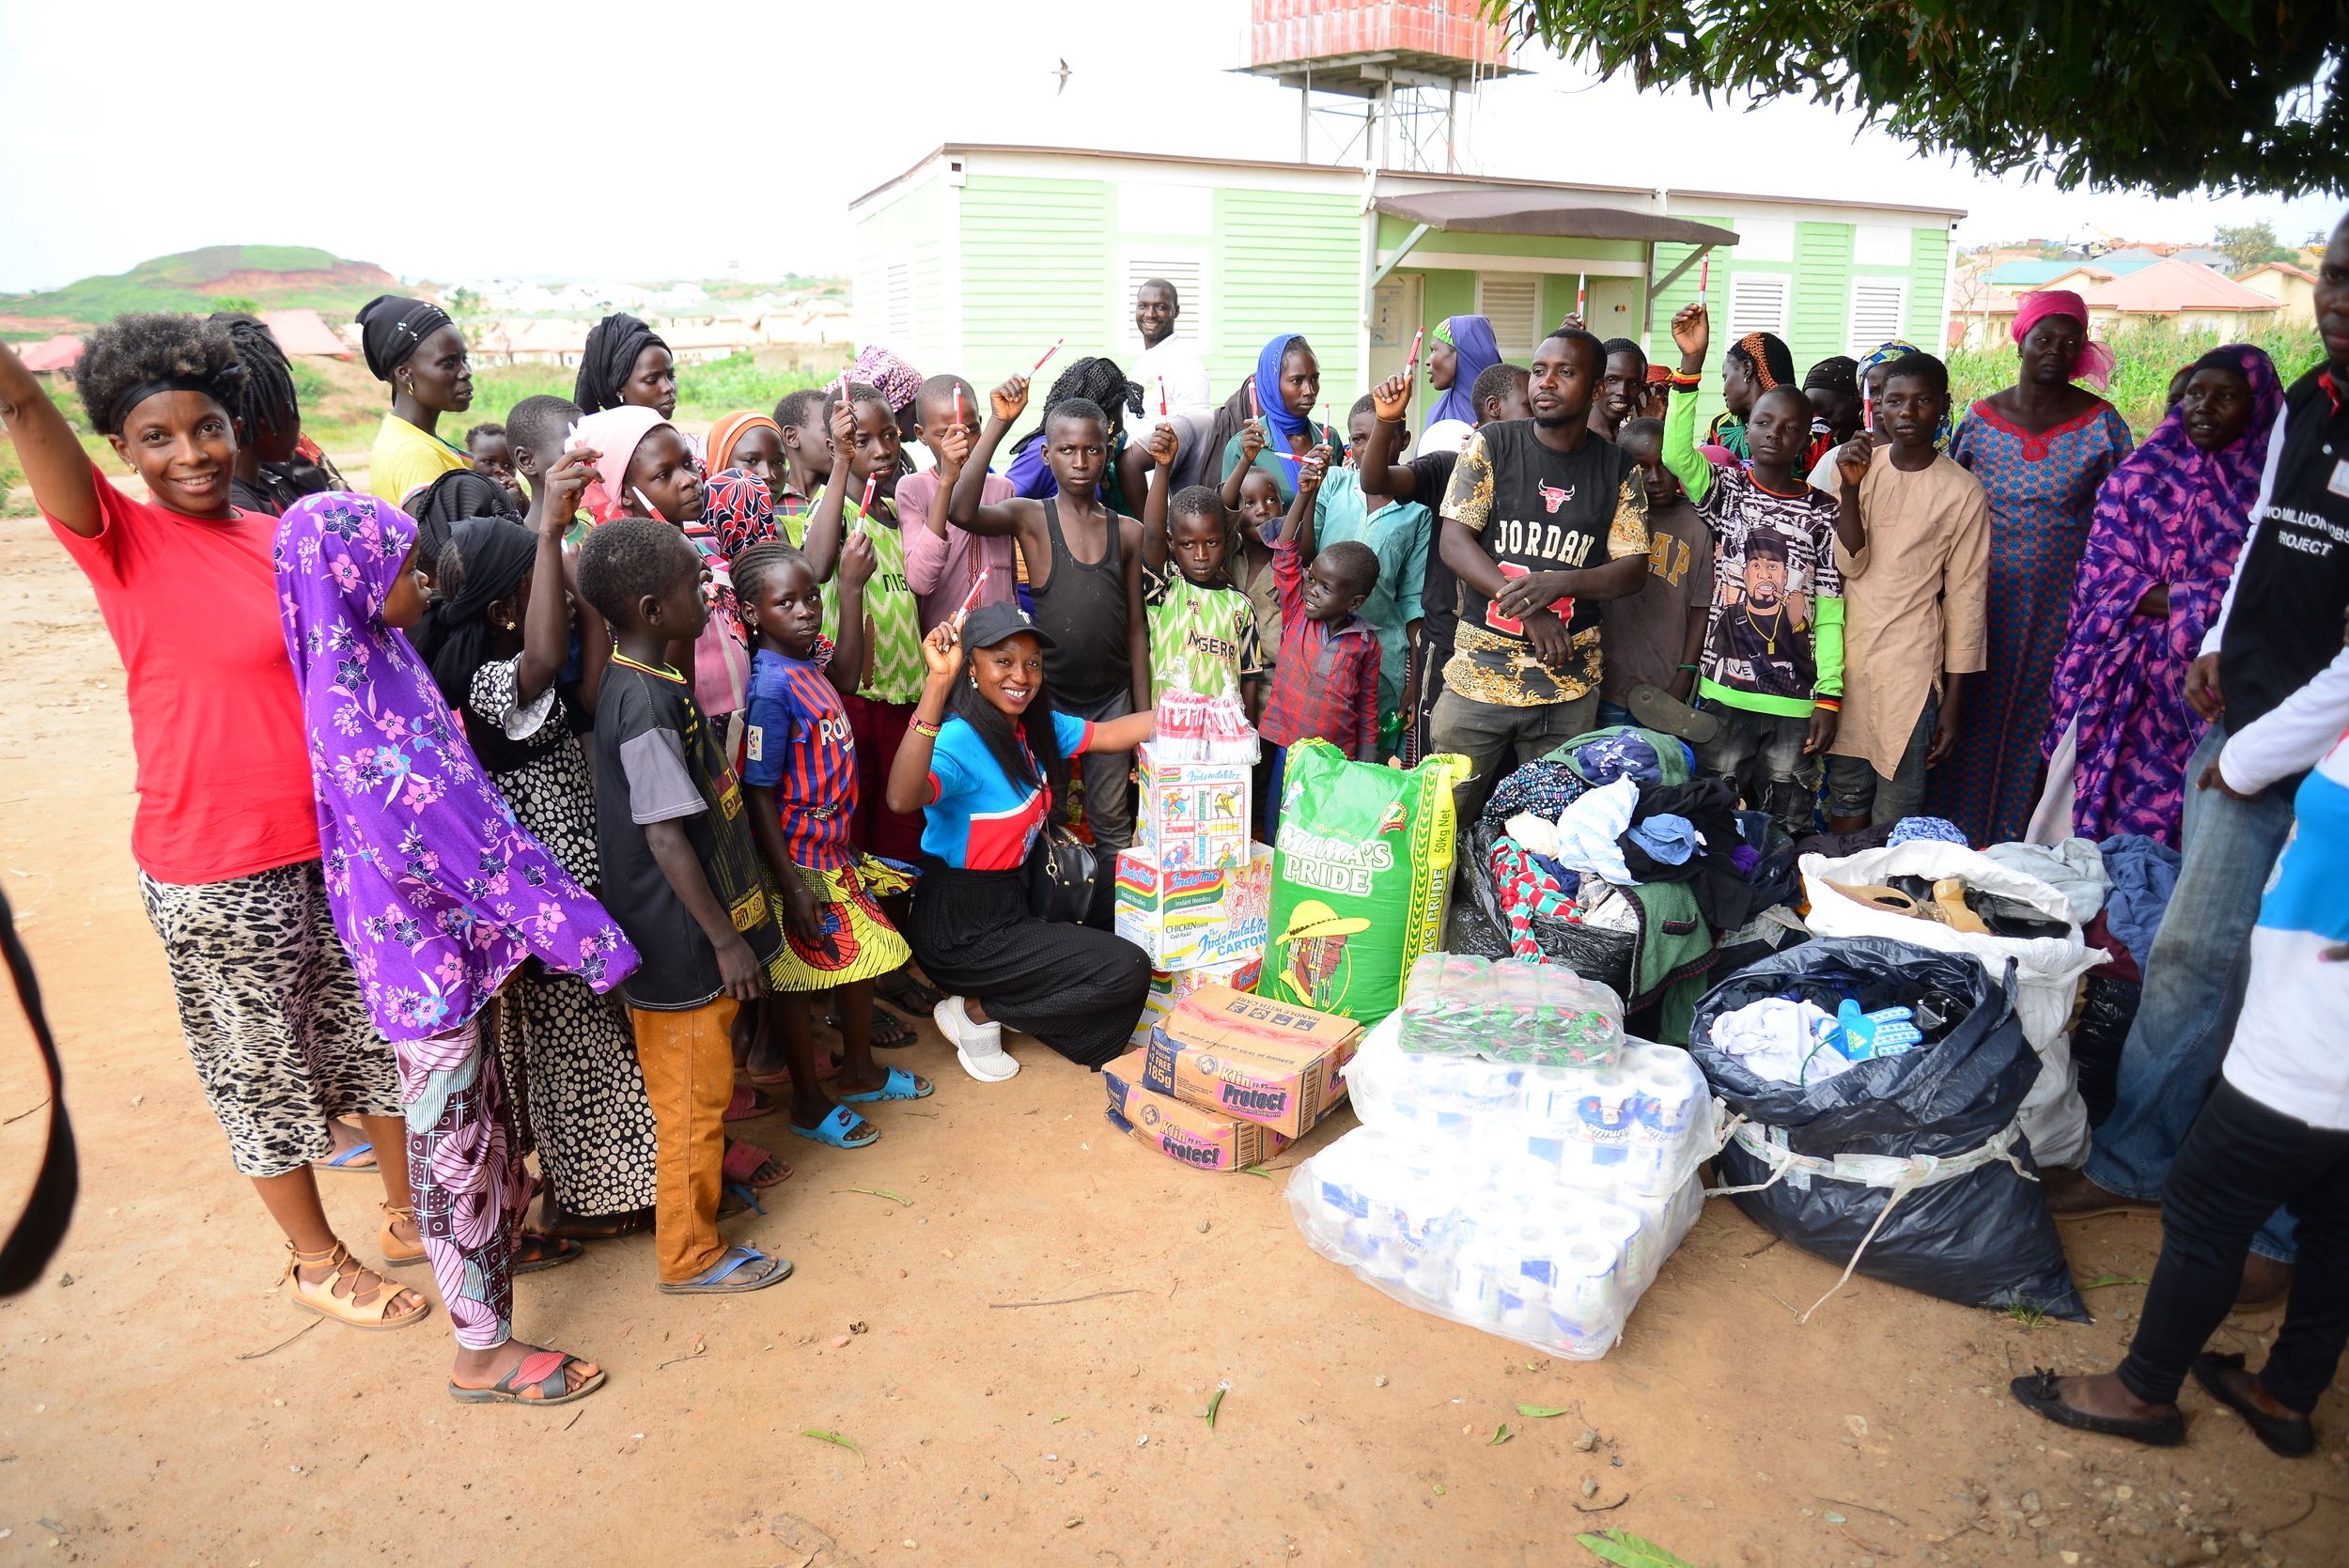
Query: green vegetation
(316, 278)
(704, 392)
(2172, 97)
(2248, 244)
(2144, 360)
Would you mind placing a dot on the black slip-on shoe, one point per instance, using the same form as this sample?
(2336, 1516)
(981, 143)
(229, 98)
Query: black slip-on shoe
(2038, 1392)
(2294, 1437)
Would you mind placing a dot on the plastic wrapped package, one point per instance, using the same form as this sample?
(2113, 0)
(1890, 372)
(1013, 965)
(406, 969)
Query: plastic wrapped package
(1496, 1246)
(1640, 1127)
(1195, 728)
(1516, 1010)
(1916, 1168)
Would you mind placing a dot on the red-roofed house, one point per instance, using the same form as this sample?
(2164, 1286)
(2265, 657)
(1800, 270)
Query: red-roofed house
(2186, 294)
(2294, 288)
(304, 332)
(57, 353)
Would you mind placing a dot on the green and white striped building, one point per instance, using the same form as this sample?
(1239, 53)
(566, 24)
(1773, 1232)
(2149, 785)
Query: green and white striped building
(978, 256)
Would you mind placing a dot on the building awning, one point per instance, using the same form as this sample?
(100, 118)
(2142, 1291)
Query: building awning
(1548, 215)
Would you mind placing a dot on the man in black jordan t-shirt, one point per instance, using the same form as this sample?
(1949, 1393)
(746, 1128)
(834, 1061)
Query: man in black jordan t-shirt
(1543, 521)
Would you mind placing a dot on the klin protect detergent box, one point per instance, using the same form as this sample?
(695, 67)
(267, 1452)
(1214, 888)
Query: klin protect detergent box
(1169, 987)
(1192, 814)
(1252, 1057)
(1194, 917)
(1203, 1139)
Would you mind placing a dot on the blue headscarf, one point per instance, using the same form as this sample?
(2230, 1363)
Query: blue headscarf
(1283, 426)
(1885, 354)
(1471, 340)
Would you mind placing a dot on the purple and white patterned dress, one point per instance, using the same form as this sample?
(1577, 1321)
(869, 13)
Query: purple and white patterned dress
(437, 892)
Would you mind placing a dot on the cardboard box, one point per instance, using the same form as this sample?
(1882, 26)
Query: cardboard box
(1252, 1057)
(1191, 813)
(1203, 1139)
(1169, 987)
(1193, 918)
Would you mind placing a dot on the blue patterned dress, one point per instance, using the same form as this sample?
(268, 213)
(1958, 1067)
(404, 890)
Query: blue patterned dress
(2042, 496)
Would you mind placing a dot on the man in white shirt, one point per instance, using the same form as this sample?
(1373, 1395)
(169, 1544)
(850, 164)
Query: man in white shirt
(1156, 308)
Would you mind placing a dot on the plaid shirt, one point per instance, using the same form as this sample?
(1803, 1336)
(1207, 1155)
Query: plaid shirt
(792, 511)
(1326, 683)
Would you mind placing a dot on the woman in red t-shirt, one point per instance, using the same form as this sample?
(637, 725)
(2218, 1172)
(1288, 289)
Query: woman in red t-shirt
(226, 834)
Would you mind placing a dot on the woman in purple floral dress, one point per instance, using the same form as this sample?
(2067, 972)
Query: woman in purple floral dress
(2041, 449)
(2168, 524)
(438, 894)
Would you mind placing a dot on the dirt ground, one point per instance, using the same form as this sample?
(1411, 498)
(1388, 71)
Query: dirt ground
(1017, 1353)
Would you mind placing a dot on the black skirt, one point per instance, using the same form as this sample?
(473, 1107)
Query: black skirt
(1077, 990)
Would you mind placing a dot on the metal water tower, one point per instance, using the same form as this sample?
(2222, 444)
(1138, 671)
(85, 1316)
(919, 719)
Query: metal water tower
(1408, 62)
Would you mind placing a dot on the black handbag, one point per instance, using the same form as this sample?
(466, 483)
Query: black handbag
(1060, 876)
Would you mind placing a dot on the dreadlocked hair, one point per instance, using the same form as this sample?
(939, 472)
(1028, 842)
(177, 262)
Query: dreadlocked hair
(750, 571)
(1100, 382)
(1039, 762)
(134, 349)
(265, 403)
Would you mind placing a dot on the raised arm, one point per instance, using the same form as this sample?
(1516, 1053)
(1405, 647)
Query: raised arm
(822, 548)
(1137, 618)
(1251, 444)
(1164, 443)
(857, 561)
(547, 627)
(63, 484)
(1380, 473)
(1692, 330)
(1005, 405)
(908, 789)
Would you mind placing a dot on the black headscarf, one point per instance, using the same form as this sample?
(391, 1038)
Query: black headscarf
(497, 552)
(609, 359)
(392, 327)
(1839, 374)
(439, 507)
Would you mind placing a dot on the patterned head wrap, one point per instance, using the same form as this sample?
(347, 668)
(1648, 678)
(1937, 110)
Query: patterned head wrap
(899, 383)
(719, 446)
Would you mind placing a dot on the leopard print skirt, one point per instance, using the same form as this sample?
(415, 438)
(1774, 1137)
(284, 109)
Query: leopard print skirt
(273, 1013)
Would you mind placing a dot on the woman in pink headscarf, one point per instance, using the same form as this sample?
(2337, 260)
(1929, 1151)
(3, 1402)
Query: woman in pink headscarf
(2041, 448)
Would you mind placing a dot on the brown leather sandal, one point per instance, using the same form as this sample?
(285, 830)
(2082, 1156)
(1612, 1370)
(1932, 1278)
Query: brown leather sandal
(320, 1295)
(399, 1253)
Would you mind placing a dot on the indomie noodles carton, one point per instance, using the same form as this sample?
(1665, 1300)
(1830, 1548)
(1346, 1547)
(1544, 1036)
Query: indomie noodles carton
(1245, 1056)
(1360, 870)
(1203, 1139)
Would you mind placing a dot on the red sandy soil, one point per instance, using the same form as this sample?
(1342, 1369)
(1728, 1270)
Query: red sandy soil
(169, 1405)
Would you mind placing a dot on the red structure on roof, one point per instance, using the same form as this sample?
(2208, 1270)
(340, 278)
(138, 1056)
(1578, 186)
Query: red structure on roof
(57, 353)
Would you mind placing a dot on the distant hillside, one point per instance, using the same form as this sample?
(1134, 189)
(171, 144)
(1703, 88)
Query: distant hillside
(276, 277)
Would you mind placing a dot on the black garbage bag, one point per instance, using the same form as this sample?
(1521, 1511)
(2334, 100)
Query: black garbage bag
(1983, 1238)
(1592, 952)
(2108, 1008)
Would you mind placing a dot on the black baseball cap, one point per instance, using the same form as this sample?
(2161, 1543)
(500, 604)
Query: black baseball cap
(989, 624)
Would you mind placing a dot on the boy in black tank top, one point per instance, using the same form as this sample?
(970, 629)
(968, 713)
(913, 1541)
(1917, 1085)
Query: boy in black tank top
(1084, 573)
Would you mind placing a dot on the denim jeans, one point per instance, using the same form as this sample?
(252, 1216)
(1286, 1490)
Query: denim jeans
(2194, 981)
(1854, 788)
(1611, 714)
(2239, 1160)
(1108, 781)
(1762, 755)
(1497, 740)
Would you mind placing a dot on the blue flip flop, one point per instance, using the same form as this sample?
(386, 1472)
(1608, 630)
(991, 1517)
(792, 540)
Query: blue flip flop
(834, 1129)
(902, 1085)
(730, 1274)
(342, 1161)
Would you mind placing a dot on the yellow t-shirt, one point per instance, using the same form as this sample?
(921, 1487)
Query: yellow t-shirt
(406, 458)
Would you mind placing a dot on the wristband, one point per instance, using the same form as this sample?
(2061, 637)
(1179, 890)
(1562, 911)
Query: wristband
(1683, 381)
(922, 726)
(1833, 704)
(1698, 669)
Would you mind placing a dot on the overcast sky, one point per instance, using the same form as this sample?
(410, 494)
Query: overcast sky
(594, 139)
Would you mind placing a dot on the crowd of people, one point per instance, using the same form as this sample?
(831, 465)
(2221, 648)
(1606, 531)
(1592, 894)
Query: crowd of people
(535, 801)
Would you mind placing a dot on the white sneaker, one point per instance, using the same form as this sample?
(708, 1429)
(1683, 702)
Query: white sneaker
(979, 1047)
